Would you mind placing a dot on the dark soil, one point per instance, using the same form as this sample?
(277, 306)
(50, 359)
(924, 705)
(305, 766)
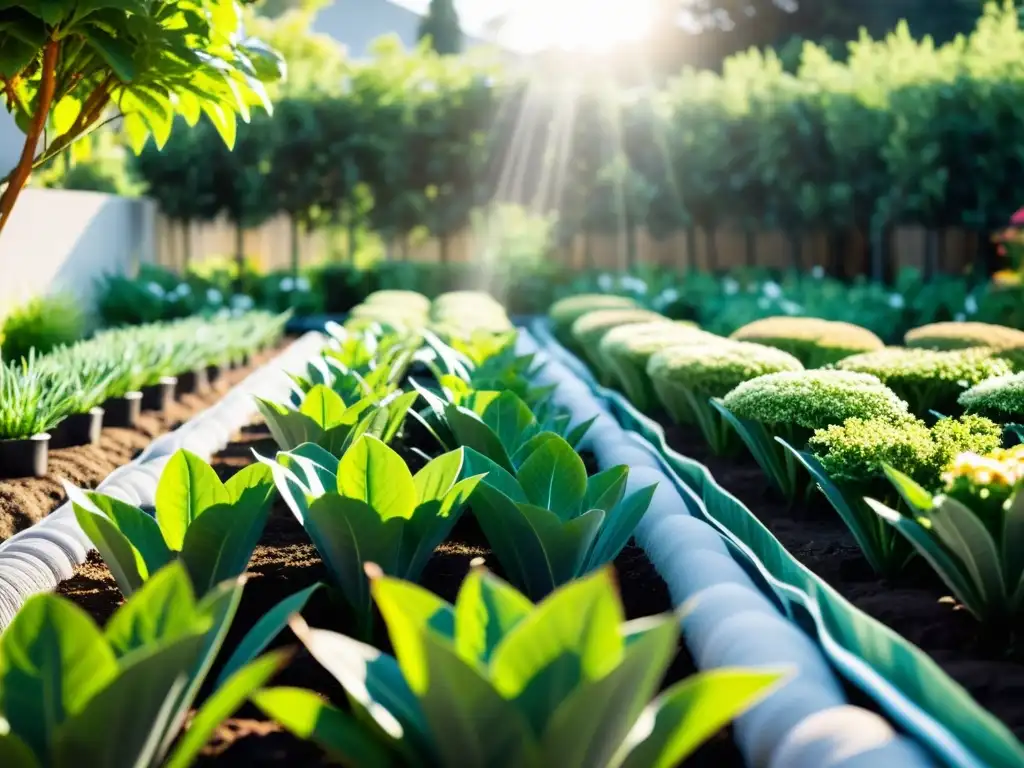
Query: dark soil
(26, 501)
(916, 605)
(286, 562)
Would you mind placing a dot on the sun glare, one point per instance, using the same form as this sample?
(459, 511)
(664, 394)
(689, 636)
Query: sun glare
(583, 25)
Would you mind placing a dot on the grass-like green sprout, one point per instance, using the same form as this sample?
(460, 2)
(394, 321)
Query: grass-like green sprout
(65, 682)
(791, 405)
(548, 523)
(971, 532)
(847, 463)
(687, 377)
(813, 341)
(589, 329)
(564, 312)
(32, 400)
(959, 335)
(929, 380)
(496, 681)
(368, 506)
(625, 351)
(211, 526)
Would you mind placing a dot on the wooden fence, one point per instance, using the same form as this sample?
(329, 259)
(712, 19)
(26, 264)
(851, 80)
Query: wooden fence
(844, 254)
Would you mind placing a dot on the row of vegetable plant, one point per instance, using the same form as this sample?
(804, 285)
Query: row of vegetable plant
(414, 415)
(63, 399)
(913, 447)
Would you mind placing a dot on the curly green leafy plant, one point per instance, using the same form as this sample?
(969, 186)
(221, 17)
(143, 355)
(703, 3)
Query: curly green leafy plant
(369, 507)
(686, 377)
(549, 523)
(929, 380)
(325, 419)
(65, 682)
(498, 682)
(212, 527)
(791, 405)
(847, 463)
(626, 350)
(813, 341)
(972, 533)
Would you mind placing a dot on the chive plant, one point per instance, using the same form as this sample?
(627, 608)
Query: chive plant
(31, 401)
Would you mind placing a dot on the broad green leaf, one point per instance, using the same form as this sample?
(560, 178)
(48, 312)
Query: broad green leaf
(916, 497)
(288, 427)
(524, 451)
(136, 130)
(510, 418)
(64, 113)
(253, 485)
(265, 631)
(220, 542)
(124, 561)
(1012, 544)
(618, 526)
(566, 543)
(223, 119)
(486, 610)
(230, 694)
(576, 434)
(606, 489)
(348, 533)
(395, 413)
(471, 432)
(429, 526)
(15, 753)
(296, 496)
(324, 406)
(140, 701)
(555, 478)
(53, 659)
(116, 52)
(692, 711)
(589, 727)
(375, 685)
(15, 54)
(967, 538)
(437, 478)
(372, 472)
(188, 486)
(572, 635)
(410, 612)
(317, 467)
(162, 610)
(514, 542)
(311, 718)
(775, 460)
(475, 463)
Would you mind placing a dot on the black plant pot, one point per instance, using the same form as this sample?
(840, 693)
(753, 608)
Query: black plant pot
(160, 396)
(214, 373)
(78, 429)
(123, 411)
(193, 382)
(26, 457)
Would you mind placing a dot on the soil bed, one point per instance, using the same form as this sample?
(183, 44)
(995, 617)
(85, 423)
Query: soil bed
(26, 501)
(286, 562)
(916, 605)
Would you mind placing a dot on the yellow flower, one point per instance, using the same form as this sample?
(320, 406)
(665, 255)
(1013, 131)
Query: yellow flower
(1006, 277)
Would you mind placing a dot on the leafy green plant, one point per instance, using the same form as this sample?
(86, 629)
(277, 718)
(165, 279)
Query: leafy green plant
(42, 324)
(549, 523)
(791, 405)
(962, 335)
(31, 400)
(465, 687)
(686, 377)
(324, 418)
(368, 507)
(1001, 398)
(970, 533)
(589, 329)
(210, 526)
(564, 312)
(64, 680)
(813, 341)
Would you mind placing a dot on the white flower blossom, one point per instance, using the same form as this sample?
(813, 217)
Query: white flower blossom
(302, 284)
(213, 296)
(242, 302)
(817, 272)
(730, 286)
(183, 289)
(605, 282)
(287, 284)
(970, 305)
(156, 289)
(772, 289)
(896, 301)
(790, 307)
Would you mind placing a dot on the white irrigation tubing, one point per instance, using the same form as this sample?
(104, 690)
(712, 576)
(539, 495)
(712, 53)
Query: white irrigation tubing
(807, 723)
(39, 558)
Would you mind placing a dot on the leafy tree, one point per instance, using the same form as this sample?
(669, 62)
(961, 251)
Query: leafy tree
(67, 63)
(441, 25)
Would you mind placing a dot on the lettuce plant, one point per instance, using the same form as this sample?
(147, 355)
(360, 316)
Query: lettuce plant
(212, 527)
(549, 523)
(498, 682)
(75, 694)
(324, 418)
(368, 506)
(972, 534)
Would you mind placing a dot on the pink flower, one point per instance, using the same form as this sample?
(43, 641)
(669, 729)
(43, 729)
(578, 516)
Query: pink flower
(1017, 219)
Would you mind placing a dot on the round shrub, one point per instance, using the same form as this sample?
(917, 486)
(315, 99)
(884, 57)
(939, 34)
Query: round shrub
(926, 378)
(589, 329)
(408, 299)
(565, 312)
(963, 335)
(1000, 398)
(853, 453)
(813, 341)
(637, 342)
(713, 369)
(814, 399)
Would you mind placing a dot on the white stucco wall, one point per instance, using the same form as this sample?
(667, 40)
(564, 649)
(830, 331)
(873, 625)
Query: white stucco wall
(62, 241)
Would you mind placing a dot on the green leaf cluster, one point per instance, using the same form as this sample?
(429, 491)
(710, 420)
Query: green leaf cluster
(813, 341)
